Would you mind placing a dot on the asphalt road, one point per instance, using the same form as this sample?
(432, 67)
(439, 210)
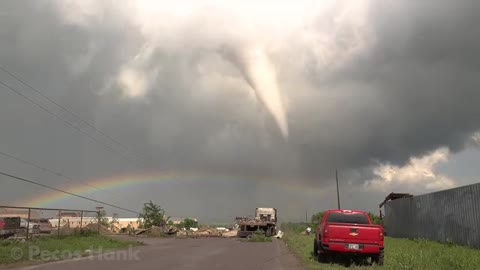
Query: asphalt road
(185, 254)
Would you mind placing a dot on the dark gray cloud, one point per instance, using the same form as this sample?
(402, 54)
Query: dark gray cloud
(415, 90)
(412, 89)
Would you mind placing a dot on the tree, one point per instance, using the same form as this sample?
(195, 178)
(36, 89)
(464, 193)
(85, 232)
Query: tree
(189, 223)
(152, 215)
(375, 219)
(114, 221)
(316, 218)
(102, 218)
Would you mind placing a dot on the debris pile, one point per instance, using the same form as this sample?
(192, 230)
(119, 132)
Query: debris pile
(207, 232)
(157, 231)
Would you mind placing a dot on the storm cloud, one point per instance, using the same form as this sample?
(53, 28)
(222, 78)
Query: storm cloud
(353, 84)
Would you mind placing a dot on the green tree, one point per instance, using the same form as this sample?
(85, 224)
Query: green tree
(152, 215)
(102, 218)
(189, 223)
(316, 218)
(114, 221)
(375, 218)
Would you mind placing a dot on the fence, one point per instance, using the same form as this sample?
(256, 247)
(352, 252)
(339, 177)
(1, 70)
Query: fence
(449, 215)
(64, 219)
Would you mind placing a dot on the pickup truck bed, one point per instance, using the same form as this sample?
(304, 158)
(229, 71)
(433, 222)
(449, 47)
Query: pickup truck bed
(357, 238)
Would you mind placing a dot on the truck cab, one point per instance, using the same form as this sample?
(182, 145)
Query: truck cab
(266, 214)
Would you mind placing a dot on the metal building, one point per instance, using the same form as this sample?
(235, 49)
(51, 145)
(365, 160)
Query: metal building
(448, 216)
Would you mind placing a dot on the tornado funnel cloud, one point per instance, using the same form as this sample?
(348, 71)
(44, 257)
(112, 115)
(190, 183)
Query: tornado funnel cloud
(260, 75)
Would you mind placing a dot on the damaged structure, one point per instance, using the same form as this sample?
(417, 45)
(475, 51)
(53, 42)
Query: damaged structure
(265, 220)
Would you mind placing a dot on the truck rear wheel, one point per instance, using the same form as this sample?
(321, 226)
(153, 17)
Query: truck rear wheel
(378, 259)
(315, 247)
(323, 257)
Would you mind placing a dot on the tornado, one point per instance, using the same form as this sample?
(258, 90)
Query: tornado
(260, 75)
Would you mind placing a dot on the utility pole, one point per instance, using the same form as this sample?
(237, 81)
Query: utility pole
(99, 217)
(338, 192)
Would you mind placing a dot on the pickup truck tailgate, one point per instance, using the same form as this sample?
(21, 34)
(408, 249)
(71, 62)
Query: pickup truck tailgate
(352, 233)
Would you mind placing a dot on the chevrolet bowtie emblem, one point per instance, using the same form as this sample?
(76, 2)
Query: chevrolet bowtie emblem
(353, 234)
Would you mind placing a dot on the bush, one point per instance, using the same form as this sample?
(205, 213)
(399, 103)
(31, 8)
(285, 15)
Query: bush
(189, 223)
(258, 236)
(316, 218)
(375, 219)
(84, 232)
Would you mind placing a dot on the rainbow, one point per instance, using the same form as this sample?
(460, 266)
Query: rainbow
(131, 180)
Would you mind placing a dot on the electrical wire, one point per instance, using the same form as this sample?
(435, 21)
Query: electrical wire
(61, 119)
(70, 179)
(66, 192)
(66, 110)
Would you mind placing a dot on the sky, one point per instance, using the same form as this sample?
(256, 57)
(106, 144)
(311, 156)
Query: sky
(213, 108)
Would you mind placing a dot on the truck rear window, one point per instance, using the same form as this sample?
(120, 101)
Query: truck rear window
(354, 218)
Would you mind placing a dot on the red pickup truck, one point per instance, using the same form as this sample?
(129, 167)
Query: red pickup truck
(348, 232)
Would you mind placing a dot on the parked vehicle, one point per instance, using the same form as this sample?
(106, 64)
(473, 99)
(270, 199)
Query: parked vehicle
(45, 225)
(32, 226)
(348, 233)
(9, 226)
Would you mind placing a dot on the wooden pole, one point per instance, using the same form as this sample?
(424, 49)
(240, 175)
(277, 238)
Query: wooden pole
(28, 222)
(58, 229)
(338, 192)
(81, 220)
(98, 221)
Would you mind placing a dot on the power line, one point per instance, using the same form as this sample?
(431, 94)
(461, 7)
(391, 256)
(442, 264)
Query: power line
(66, 192)
(59, 118)
(66, 110)
(54, 172)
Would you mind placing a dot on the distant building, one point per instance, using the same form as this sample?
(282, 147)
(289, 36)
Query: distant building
(71, 221)
(74, 222)
(124, 222)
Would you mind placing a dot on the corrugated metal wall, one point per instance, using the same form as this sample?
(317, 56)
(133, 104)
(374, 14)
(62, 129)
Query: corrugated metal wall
(449, 215)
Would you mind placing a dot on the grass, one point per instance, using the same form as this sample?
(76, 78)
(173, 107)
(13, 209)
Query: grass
(18, 252)
(400, 254)
(258, 236)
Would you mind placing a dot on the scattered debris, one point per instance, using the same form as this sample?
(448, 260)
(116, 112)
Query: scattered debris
(182, 234)
(230, 234)
(172, 230)
(142, 231)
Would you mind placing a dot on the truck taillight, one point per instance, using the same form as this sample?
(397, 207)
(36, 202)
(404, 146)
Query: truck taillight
(325, 233)
(380, 235)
